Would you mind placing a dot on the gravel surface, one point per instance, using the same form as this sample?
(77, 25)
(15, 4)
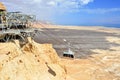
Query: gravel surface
(82, 41)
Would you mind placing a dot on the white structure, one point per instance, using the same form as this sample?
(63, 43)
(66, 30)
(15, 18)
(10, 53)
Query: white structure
(68, 53)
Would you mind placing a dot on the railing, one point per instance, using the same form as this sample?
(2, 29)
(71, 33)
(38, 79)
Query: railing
(14, 19)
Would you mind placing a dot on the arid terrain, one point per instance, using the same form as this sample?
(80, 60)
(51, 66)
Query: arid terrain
(83, 39)
(96, 55)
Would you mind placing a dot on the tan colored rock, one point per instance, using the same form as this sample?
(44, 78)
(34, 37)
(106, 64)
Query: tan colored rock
(2, 7)
(32, 62)
(40, 62)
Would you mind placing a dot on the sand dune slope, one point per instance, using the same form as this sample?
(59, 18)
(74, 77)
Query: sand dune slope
(31, 62)
(35, 61)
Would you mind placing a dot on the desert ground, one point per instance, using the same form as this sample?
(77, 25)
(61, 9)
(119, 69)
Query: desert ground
(96, 50)
(96, 55)
(82, 39)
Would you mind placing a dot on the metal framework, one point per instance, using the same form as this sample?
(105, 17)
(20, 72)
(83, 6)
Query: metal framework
(15, 25)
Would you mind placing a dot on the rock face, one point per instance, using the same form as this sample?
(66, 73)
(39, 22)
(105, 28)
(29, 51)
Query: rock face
(2, 7)
(35, 61)
(31, 62)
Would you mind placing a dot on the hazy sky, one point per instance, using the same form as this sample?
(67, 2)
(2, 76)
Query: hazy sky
(71, 12)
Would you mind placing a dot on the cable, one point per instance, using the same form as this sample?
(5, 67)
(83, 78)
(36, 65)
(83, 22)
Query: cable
(84, 55)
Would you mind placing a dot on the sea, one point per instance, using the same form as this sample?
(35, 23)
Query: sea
(105, 25)
(113, 26)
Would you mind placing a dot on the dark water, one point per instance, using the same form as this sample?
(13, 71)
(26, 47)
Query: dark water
(104, 25)
(113, 26)
(107, 25)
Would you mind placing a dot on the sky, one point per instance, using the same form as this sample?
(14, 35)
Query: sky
(70, 12)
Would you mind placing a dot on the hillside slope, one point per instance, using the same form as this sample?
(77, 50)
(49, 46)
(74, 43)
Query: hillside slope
(31, 62)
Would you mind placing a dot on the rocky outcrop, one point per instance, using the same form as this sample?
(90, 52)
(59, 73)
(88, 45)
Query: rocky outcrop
(33, 61)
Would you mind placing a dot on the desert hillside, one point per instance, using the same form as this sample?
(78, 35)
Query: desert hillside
(59, 40)
(34, 61)
(97, 57)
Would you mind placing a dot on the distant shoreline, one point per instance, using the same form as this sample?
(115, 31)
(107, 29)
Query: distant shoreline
(106, 26)
(92, 28)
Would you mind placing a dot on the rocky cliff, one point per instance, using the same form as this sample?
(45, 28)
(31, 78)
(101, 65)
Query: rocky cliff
(32, 61)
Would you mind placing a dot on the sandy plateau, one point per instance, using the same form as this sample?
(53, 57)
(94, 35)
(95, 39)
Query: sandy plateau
(104, 65)
(34, 61)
